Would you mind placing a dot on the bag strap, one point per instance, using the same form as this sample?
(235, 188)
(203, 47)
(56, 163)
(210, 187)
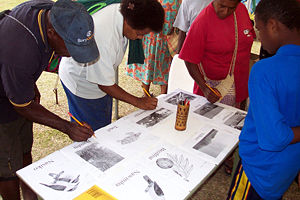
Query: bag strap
(233, 60)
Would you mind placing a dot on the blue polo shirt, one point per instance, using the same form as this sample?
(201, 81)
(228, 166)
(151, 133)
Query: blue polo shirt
(22, 57)
(270, 162)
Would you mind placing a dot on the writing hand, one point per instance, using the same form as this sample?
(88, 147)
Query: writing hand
(211, 96)
(79, 133)
(147, 103)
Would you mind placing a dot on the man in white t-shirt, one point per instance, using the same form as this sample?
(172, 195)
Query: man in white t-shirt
(188, 11)
(90, 89)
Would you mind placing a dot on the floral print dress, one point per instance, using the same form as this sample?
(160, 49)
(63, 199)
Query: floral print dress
(157, 56)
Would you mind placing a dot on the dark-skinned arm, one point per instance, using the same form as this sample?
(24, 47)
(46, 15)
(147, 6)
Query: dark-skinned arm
(198, 77)
(296, 131)
(181, 38)
(37, 113)
(145, 103)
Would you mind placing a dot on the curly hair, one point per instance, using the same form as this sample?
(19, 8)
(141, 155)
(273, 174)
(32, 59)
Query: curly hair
(285, 11)
(141, 14)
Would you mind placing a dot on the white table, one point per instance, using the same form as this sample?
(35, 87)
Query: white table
(142, 156)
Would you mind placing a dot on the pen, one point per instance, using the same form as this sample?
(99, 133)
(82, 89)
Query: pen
(146, 92)
(213, 90)
(78, 121)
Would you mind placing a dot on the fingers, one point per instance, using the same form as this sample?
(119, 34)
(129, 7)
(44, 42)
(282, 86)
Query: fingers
(147, 103)
(211, 96)
(80, 133)
(87, 125)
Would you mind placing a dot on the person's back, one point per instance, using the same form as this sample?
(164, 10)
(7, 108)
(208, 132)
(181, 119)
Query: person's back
(269, 145)
(274, 102)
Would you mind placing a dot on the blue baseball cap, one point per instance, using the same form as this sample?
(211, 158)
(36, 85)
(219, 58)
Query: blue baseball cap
(76, 27)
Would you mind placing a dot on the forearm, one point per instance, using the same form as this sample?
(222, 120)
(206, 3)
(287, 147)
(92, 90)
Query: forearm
(296, 131)
(195, 73)
(181, 39)
(37, 113)
(118, 93)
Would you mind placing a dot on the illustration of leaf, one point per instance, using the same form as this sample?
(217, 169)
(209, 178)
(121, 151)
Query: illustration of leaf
(188, 171)
(182, 166)
(180, 160)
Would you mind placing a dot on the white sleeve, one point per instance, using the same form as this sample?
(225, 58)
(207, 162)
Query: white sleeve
(103, 72)
(181, 20)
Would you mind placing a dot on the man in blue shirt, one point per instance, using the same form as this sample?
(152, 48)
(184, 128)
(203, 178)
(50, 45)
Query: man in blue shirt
(30, 35)
(269, 145)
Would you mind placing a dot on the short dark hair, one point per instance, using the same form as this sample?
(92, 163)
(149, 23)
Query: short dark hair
(141, 14)
(286, 12)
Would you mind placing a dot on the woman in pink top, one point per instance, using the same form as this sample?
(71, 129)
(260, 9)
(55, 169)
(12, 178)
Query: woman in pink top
(211, 41)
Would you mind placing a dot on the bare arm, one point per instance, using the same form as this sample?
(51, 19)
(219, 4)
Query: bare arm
(198, 77)
(37, 113)
(145, 103)
(181, 39)
(296, 131)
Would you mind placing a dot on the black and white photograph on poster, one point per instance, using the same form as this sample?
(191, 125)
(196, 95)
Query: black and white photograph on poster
(99, 156)
(153, 189)
(62, 181)
(236, 121)
(155, 117)
(209, 110)
(180, 96)
(209, 145)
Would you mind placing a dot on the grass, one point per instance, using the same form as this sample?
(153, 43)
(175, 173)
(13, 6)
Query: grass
(47, 140)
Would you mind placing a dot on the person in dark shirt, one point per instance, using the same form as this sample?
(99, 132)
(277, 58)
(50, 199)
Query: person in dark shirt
(31, 34)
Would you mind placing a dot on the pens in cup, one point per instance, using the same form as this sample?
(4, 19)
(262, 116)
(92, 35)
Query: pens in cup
(78, 121)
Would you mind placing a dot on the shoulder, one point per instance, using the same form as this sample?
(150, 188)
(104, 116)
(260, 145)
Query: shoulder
(17, 46)
(264, 69)
(204, 16)
(241, 9)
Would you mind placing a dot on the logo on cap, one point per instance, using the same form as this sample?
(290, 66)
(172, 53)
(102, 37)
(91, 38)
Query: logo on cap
(89, 36)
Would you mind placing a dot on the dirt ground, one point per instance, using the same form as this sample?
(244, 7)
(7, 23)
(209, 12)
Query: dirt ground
(47, 140)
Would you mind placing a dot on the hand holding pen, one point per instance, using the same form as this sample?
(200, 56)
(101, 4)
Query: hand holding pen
(212, 94)
(83, 124)
(147, 103)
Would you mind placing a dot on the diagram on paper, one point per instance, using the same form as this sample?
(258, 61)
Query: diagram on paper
(63, 182)
(180, 165)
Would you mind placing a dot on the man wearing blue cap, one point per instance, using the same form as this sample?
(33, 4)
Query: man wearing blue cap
(31, 34)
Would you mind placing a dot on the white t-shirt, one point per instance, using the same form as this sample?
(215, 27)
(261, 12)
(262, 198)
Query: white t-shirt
(84, 81)
(188, 11)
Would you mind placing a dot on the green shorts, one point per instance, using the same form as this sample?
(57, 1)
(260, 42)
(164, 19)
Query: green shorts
(16, 139)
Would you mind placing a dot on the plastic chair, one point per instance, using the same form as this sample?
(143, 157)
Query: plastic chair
(179, 76)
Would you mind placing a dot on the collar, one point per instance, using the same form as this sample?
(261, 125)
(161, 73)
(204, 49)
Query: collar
(289, 49)
(42, 28)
